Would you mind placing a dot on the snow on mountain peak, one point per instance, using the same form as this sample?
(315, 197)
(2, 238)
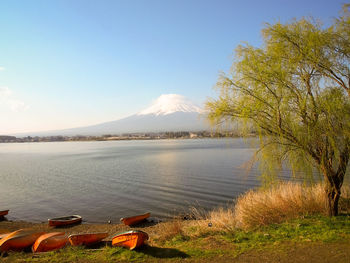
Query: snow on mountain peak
(170, 103)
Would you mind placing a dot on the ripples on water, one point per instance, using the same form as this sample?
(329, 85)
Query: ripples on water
(107, 180)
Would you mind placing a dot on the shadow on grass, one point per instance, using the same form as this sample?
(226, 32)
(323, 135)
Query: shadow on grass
(146, 223)
(3, 218)
(99, 245)
(158, 252)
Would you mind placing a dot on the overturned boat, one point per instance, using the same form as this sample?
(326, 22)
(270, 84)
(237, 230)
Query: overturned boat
(130, 239)
(50, 241)
(86, 239)
(19, 240)
(4, 235)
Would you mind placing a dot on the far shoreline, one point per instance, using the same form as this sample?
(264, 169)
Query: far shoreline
(125, 137)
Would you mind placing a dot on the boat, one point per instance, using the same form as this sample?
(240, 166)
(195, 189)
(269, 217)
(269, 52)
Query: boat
(65, 220)
(4, 212)
(19, 239)
(130, 239)
(86, 239)
(50, 241)
(134, 219)
(3, 235)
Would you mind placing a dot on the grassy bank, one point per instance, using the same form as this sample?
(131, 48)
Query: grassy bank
(311, 238)
(235, 234)
(277, 204)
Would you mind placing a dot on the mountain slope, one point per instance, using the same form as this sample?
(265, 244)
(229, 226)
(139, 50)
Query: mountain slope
(170, 112)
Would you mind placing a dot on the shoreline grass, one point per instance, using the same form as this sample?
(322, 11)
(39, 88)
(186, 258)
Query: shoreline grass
(277, 204)
(314, 232)
(286, 217)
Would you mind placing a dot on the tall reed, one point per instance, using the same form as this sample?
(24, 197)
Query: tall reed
(275, 205)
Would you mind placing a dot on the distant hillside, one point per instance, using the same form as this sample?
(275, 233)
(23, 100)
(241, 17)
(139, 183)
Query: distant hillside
(170, 112)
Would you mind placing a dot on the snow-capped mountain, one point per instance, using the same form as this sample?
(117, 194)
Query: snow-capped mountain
(170, 103)
(169, 112)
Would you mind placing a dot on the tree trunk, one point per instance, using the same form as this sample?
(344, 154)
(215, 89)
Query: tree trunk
(333, 183)
(332, 199)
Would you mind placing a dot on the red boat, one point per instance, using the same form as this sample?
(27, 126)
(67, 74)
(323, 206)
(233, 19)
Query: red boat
(50, 241)
(130, 239)
(134, 219)
(4, 212)
(4, 235)
(86, 239)
(19, 240)
(64, 221)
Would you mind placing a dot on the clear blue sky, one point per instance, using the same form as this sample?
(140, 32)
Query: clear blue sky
(72, 63)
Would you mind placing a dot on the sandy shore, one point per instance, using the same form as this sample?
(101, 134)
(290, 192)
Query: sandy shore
(112, 229)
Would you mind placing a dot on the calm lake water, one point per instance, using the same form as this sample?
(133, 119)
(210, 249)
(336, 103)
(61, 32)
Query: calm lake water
(104, 181)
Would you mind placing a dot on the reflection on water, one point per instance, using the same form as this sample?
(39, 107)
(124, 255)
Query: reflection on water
(107, 180)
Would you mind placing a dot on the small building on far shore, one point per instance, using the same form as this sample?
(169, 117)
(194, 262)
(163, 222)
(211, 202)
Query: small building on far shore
(193, 135)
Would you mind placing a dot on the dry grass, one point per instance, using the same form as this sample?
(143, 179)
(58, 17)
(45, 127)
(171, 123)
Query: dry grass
(281, 203)
(168, 230)
(275, 205)
(285, 201)
(223, 219)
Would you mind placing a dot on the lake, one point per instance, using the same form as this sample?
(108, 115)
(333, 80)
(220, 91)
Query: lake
(104, 181)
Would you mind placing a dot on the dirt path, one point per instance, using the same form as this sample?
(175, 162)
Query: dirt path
(305, 252)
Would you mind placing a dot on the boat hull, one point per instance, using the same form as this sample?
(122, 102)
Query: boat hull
(19, 240)
(4, 235)
(86, 239)
(4, 212)
(130, 239)
(64, 221)
(133, 220)
(50, 241)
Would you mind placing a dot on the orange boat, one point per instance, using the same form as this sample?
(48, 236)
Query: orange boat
(134, 219)
(50, 241)
(4, 212)
(86, 239)
(66, 220)
(3, 235)
(19, 240)
(130, 239)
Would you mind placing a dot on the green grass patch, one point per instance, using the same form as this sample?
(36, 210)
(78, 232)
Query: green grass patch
(208, 246)
(308, 229)
(313, 228)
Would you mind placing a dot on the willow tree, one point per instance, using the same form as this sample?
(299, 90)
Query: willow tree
(295, 92)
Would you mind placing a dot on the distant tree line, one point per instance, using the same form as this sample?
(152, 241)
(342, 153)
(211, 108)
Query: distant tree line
(125, 136)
